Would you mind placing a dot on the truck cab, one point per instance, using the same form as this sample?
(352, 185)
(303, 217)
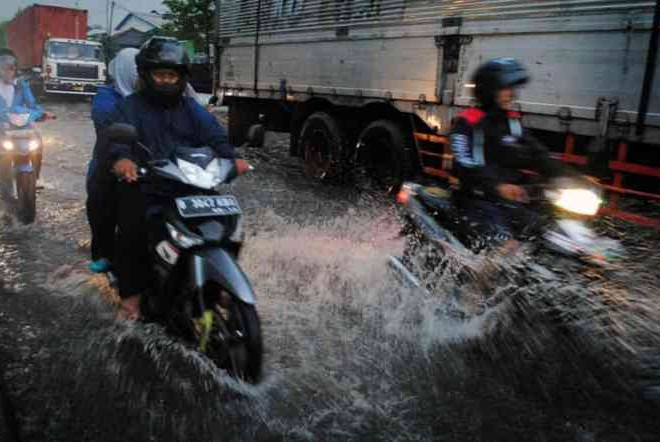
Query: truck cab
(72, 66)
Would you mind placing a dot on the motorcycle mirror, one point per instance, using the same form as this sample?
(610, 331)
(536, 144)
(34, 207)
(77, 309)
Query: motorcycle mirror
(122, 133)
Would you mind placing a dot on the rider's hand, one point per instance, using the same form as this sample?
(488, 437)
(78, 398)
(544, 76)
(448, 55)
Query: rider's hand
(513, 192)
(126, 170)
(242, 166)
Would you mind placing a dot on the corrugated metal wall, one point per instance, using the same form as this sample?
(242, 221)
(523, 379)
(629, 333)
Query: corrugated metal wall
(239, 17)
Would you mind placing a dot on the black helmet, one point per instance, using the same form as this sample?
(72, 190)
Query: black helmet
(494, 75)
(163, 53)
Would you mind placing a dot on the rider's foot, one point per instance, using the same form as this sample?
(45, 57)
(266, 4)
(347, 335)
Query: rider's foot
(99, 266)
(129, 309)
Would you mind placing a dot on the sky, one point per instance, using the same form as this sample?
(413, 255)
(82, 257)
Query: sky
(96, 8)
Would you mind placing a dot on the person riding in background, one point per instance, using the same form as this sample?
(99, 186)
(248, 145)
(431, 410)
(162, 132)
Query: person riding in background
(164, 119)
(101, 212)
(18, 107)
(15, 94)
(485, 141)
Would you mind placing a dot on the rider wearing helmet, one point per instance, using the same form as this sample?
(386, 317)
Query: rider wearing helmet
(164, 119)
(486, 140)
(15, 98)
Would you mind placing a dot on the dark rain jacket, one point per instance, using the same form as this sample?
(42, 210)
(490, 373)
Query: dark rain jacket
(162, 129)
(490, 149)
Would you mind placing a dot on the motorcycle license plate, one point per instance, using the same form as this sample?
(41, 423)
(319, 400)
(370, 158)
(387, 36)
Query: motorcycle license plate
(197, 206)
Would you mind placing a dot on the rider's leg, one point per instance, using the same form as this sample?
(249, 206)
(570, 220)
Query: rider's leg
(102, 218)
(494, 222)
(131, 254)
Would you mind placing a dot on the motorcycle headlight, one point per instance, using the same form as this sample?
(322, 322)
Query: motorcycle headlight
(579, 201)
(33, 145)
(196, 175)
(181, 239)
(8, 145)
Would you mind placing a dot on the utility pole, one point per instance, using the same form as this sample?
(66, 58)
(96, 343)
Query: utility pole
(112, 11)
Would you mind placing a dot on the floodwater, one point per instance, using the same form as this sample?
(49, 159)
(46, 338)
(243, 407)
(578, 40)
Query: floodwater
(350, 354)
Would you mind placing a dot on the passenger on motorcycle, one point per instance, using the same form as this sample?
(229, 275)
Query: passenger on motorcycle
(484, 140)
(18, 106)
(164, 119)
(101, 212)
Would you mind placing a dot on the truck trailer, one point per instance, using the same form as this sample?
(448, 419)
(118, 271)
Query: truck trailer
(390, 75)
(50, 42)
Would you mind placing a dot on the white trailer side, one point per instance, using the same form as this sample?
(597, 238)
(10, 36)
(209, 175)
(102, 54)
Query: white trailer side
(587, 59)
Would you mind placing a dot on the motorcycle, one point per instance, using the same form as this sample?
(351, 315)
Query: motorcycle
(20, 163)
(199, 294)
(438, 227)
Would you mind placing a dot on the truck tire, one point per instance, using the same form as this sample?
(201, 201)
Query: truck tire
(384, 156)
(321, 142)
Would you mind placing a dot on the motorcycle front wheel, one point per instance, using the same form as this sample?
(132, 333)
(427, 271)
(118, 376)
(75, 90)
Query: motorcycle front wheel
(26, 192)
(236, 343)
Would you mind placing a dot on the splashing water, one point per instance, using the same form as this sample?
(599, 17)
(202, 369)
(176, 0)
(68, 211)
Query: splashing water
(351, 356)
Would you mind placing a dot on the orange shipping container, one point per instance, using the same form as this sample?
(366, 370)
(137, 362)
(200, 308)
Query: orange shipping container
(27, 31)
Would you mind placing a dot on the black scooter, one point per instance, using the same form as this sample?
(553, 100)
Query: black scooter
(200, 294)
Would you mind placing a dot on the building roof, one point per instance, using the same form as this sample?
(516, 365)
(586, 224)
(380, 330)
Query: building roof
(154, 20)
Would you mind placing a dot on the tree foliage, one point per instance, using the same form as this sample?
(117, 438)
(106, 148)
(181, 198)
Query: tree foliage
(191, 20)
(3, 37)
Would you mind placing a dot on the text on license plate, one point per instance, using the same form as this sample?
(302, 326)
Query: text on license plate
(192, 206)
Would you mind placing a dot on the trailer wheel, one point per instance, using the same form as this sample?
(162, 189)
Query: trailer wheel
(322, 142)
(383, 155)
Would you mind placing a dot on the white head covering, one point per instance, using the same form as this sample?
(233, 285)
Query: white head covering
(123, 71)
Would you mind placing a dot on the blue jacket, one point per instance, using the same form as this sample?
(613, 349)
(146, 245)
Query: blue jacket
(163, 129)
(24, 103)
(103, 105)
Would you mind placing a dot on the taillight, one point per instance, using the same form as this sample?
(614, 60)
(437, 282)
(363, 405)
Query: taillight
(403, 197)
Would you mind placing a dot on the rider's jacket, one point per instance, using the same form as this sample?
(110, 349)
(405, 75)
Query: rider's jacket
(162, 129)
(480, 143)
(23, 103)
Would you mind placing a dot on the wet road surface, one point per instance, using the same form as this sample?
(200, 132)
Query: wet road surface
(350, 355)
